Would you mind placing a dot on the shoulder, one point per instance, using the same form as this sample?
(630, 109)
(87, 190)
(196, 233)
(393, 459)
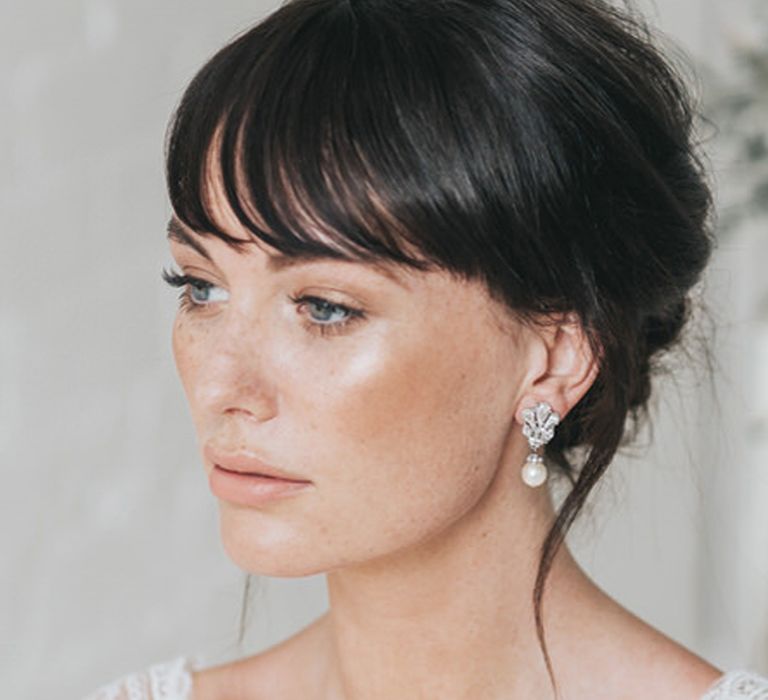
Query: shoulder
(166, 680)
(664, 669)
(627, 657)
(258, 677)
(268, 674)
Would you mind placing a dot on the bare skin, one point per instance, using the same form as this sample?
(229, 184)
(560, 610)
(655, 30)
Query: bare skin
(408, 423)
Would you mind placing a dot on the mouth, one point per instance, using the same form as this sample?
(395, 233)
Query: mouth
(260, 475)
(246, 464)
(252, 489)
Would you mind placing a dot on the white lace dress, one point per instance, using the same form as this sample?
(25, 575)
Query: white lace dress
(172, 680)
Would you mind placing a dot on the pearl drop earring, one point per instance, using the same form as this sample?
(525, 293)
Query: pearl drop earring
(539, 428)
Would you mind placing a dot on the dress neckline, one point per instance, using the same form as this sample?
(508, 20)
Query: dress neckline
(176, 677)
(737, 683)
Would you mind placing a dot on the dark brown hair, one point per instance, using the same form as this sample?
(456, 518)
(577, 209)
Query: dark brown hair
(542, 146)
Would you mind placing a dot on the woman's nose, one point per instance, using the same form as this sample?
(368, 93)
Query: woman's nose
(233, 376)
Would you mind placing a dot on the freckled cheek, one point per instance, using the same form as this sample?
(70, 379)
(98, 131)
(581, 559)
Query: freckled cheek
(396, 407)
(188, 352)
(398, 445)
(182, 352)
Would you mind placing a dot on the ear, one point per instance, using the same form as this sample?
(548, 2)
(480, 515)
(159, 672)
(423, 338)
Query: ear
(564, 369)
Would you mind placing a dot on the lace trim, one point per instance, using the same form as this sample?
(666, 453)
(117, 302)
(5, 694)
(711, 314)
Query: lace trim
(169, 680)
(738, 684)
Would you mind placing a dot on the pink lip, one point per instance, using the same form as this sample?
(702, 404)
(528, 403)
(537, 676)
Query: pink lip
(251, 489)
(246, 463)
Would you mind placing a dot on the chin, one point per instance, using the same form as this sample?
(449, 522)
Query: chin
(264, 545)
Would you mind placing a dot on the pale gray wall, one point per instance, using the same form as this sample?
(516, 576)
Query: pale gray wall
(108, 534)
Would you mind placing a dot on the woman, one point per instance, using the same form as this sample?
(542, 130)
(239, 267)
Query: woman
(429, 253)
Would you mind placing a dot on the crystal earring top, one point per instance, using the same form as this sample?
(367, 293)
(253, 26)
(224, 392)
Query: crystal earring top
(539, 424)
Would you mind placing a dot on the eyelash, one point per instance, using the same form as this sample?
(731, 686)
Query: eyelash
(324, 329)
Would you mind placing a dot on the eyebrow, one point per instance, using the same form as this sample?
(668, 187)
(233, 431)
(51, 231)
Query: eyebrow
(176, 232)
(280, 261)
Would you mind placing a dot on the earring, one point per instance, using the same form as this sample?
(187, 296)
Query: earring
(539, 427)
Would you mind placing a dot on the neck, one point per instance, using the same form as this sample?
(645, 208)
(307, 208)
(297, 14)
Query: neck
(452, 617)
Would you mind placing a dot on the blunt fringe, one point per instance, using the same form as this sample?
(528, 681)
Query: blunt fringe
(544, 147)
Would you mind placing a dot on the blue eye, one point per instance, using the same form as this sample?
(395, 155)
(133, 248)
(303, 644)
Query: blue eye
(327, 310)
(202, 292)
(325, 317)
(196, 291)
(323, 322)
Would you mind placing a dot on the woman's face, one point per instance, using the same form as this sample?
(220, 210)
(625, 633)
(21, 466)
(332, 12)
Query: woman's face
(397, 412)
